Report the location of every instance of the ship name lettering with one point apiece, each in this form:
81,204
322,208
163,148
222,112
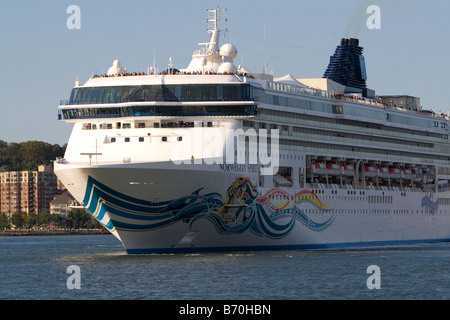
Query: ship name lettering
236,167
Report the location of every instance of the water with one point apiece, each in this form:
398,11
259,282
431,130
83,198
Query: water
36,268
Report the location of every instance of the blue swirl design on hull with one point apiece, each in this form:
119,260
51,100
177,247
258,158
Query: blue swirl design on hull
242,210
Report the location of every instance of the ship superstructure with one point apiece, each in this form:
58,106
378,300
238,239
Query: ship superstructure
214,157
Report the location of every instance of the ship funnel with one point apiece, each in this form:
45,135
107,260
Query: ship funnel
347,65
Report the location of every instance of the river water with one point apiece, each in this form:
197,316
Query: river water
96,267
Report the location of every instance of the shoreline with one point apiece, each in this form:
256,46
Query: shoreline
51,232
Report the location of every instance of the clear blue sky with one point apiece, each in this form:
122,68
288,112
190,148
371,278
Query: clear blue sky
40,56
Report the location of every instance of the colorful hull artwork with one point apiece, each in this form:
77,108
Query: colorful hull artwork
272,215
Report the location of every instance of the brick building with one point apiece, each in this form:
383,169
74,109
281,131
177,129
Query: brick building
27,191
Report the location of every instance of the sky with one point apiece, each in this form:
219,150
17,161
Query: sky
41,56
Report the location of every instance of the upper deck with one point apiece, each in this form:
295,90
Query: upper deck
212,85
238,95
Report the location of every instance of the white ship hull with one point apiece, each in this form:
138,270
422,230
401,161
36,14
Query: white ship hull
159,218
342,167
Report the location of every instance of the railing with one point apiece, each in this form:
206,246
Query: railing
278,86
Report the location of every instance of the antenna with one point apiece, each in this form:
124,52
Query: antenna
170,66
265,49
212,47
214,19
155,70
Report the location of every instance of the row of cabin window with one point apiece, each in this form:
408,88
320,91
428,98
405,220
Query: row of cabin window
140,125
93,126
142,139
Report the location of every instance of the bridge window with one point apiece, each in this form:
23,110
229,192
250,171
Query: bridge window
195,92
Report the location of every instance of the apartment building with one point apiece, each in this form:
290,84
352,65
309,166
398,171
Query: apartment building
27,191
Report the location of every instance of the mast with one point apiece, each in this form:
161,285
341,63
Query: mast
213,46
210,58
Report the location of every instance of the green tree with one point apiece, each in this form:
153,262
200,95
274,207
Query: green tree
4,221
80,218
28,155
18,219
93,223
30,220
77,218
56,219
43,218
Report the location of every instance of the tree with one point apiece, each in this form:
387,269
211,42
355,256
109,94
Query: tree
18,219
30,220
4,221
93,223
56,219
77,218
28,155
80,218
43,218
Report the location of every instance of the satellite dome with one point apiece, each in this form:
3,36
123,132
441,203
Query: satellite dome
228,50
116,68
227,67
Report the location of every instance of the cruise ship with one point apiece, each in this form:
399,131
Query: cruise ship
214,157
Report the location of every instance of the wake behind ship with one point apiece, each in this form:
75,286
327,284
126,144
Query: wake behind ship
214,157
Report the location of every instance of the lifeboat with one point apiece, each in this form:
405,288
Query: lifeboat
333,168
407,174
370,171
395,173
384,172
348,170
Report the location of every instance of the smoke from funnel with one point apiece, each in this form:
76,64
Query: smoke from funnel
357,20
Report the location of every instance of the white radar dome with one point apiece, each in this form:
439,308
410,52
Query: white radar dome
228,50
227,67
116,68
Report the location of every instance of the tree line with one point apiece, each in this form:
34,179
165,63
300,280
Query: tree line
76,218
28,155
